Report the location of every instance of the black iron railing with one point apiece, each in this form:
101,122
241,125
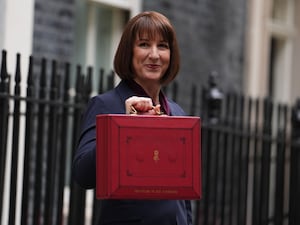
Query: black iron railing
250,150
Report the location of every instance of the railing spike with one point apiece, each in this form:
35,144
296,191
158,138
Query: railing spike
67,77
78,78
53,75
43,78
18,69
3,72
88,83
101,73
30,72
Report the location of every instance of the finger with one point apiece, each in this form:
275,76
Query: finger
149,112
143,105
129,105
136,104
155,110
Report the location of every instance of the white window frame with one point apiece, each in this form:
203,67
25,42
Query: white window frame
134,6
260,29
117,6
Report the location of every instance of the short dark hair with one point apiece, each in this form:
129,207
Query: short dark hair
151,23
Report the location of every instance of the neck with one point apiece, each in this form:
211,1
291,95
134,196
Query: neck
152,89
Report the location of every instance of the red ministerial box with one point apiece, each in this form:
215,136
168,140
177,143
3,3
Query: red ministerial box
148,157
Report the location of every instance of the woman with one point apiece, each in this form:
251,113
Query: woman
146,59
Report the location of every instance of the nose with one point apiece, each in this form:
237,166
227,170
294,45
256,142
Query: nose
154,54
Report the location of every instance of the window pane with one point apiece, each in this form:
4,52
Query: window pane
279,11
276,66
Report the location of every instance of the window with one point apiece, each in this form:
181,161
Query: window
99,27
272,49
280,10
282,30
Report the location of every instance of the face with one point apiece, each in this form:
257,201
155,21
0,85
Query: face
151,59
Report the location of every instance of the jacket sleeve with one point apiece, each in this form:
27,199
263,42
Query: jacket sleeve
175,109
84,163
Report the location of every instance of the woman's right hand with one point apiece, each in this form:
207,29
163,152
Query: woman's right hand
141,106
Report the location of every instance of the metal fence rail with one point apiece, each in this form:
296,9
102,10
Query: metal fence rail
251,161
250,147
44,133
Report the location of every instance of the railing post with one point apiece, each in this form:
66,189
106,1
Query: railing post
4,106
88,85
52,152
110,80
265,170
28,150
101,81
64,127
15,146
294,216
40,152
77,194
212,99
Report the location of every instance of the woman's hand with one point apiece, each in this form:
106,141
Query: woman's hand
141,106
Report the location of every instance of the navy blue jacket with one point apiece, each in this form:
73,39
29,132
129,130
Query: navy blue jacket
113,212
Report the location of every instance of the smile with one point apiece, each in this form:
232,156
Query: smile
153,66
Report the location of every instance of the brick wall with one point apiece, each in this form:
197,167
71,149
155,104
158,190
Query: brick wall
211,37
53,36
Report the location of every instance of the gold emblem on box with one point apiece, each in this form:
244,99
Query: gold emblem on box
156,155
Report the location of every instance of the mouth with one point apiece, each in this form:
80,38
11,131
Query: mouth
153,66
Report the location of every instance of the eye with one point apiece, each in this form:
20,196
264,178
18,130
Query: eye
143,44
164,45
